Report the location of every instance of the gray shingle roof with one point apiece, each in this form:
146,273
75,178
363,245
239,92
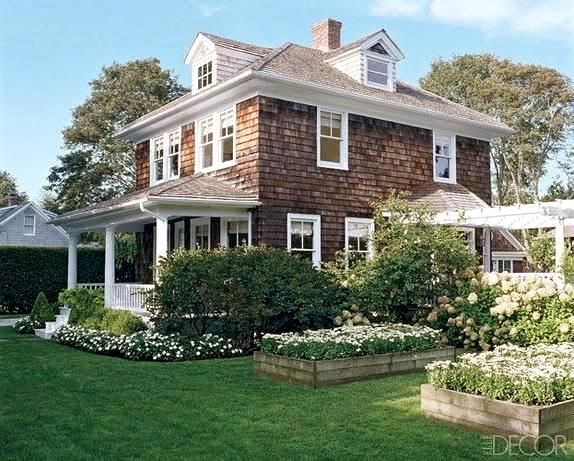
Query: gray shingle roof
240,46
446,197
8,211
198,186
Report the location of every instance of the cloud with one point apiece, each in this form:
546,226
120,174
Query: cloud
548,18
205,9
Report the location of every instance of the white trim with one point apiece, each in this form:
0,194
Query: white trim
513,240
192,234
217,163
377,57
344,146
471,243
371,223
496,260
514,255
33,216
452,158
388,44
195,72
223,238
165,161
316,222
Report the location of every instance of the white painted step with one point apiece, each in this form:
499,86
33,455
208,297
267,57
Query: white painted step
51,327
65,311
42,333
61,320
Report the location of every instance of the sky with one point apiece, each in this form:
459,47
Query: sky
51,49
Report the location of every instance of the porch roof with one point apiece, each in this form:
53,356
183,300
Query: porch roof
441,197
197,191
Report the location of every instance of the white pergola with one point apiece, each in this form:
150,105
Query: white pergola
556,214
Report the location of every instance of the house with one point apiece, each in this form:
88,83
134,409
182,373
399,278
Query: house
26,224
288,147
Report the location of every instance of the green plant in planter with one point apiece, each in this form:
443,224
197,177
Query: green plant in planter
84,303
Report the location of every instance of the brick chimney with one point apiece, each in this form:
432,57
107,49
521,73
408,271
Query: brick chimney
13,199
327,35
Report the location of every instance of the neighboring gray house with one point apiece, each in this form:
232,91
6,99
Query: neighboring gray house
26,225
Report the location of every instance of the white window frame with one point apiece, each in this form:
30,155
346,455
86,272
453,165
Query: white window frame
371,223
33,224
496,261
344,163
166,157
217,163
452,166
224,241
193,234
199,64
316,222
200,145
178,226
377,57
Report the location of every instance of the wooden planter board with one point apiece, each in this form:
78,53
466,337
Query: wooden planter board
320,373
536,424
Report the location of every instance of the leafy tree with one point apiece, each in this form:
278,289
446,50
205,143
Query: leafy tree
96,165
537,102
9,187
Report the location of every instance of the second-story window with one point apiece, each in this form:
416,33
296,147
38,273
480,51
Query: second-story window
174,147
29,225
332,142
206,143
158,155
226,141
204,75
444,153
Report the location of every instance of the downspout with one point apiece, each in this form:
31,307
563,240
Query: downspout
151,213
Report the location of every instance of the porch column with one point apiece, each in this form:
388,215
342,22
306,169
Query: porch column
559,243
486,252
110,265
73,260
161,235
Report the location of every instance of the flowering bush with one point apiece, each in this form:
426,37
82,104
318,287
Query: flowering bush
351,341
535,375
490,309
146,345
26,325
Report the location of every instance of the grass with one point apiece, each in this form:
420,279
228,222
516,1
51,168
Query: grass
60,403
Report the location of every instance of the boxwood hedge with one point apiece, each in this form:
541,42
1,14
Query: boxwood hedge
26,271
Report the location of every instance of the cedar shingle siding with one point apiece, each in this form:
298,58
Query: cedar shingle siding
276,152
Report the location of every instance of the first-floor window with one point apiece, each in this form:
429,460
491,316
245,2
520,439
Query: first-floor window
304,236
178,234
358,233
237,233
444,153
502,265
200,234
29,225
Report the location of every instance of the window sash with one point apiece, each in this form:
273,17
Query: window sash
444,157
206,142
216,140
204,75
358,233
331,137
227,136
237,233
29,225
174,152
375,72
304,236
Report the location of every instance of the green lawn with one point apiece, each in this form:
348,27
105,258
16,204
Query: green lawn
58,403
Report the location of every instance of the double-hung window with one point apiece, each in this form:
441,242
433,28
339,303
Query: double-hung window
444,153
502,265
378,72
206,143
358,233
178,235
236,233
216,140
200,234
204,75
157,159
304,236
332,139
29,225
165,156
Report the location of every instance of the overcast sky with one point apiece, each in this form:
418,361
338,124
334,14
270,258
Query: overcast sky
50,50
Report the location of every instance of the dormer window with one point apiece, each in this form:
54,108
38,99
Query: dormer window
377,71
204,75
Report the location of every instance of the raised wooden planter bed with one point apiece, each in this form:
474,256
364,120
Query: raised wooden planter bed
338,371
534,424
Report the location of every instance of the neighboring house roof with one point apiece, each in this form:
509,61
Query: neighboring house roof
309,66
9,213
196,188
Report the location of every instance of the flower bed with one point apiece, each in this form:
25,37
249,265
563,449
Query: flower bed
356,341
527,392
146,345
341,355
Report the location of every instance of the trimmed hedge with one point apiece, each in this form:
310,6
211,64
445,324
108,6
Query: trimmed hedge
26,271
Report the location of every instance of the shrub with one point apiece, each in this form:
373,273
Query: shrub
120,322
146,345
491,309
25,271
415,261
43,311
242,292
27,325
537,375
568,265
542,253
84,303
351,341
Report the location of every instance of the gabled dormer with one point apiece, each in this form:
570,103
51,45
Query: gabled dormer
212,59
371,61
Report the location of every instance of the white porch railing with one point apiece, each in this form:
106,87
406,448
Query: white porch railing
554,276
128,296
91,286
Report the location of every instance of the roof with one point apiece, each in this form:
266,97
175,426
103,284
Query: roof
196,187
441,197
234,44
8,211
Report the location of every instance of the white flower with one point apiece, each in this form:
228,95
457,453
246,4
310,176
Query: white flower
472,298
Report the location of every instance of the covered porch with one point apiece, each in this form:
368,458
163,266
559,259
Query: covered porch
193,212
